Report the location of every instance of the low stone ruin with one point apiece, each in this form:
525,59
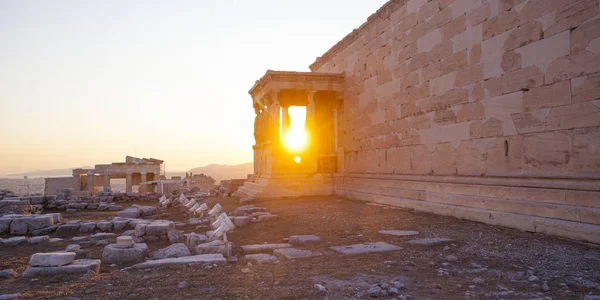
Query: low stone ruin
60,263
25,224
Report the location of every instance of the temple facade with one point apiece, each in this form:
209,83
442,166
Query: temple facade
486,110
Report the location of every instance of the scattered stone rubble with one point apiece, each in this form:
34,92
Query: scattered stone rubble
27,224
125,251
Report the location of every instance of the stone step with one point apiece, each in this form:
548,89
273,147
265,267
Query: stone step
538,209
575,230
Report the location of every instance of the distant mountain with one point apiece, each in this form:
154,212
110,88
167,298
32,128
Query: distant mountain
50,173
224,172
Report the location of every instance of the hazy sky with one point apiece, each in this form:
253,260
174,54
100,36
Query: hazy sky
87,82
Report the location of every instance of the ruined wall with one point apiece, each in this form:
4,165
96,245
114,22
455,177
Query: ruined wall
480,109
54,184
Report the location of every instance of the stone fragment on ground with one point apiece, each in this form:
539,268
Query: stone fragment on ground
260,258
9,296
175,236
303,239
196,259
51,259
8,273
399,232
103,235
116,254
263,248
131,212
175,250
105,226
293,253
81,266
73,248
430,241
241,221
216,246
366,248
15,240
38,239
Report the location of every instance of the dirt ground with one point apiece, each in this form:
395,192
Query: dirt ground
483,262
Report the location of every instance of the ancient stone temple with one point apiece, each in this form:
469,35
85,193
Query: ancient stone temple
134,170
487,110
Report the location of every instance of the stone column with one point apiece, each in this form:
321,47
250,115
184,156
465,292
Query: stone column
285,121
311,161
144,186
274,122
128,182
90,180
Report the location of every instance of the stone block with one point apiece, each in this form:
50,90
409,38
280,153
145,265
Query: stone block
14,241
132,212
430,241
469,75
572,16
443,159
586,153
51,259
140,229
5,225
470,160
263,248
420,159
504,156
44,231
531,121
585,88
158,228
241,221
87,227
103,235
543,52
196,259
304,239
523,35
503,105
19,226
547,96
499,24
119,225
469,112
522,79
260,258
581,36
104,226
366,248
399,232
38,239
293,253
548,152
175,250
576,115
82,266
492,127
175,236
123,256
443,117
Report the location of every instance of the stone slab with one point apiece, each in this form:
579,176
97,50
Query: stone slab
51,259
81,266
293,253
304,239
263,248
430,241
366,248
399,232
202,258
261,258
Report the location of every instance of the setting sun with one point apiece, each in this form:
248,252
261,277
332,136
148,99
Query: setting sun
296,138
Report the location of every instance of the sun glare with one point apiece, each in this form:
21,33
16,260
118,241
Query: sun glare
296,138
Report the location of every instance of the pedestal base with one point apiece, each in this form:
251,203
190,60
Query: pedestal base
287,186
